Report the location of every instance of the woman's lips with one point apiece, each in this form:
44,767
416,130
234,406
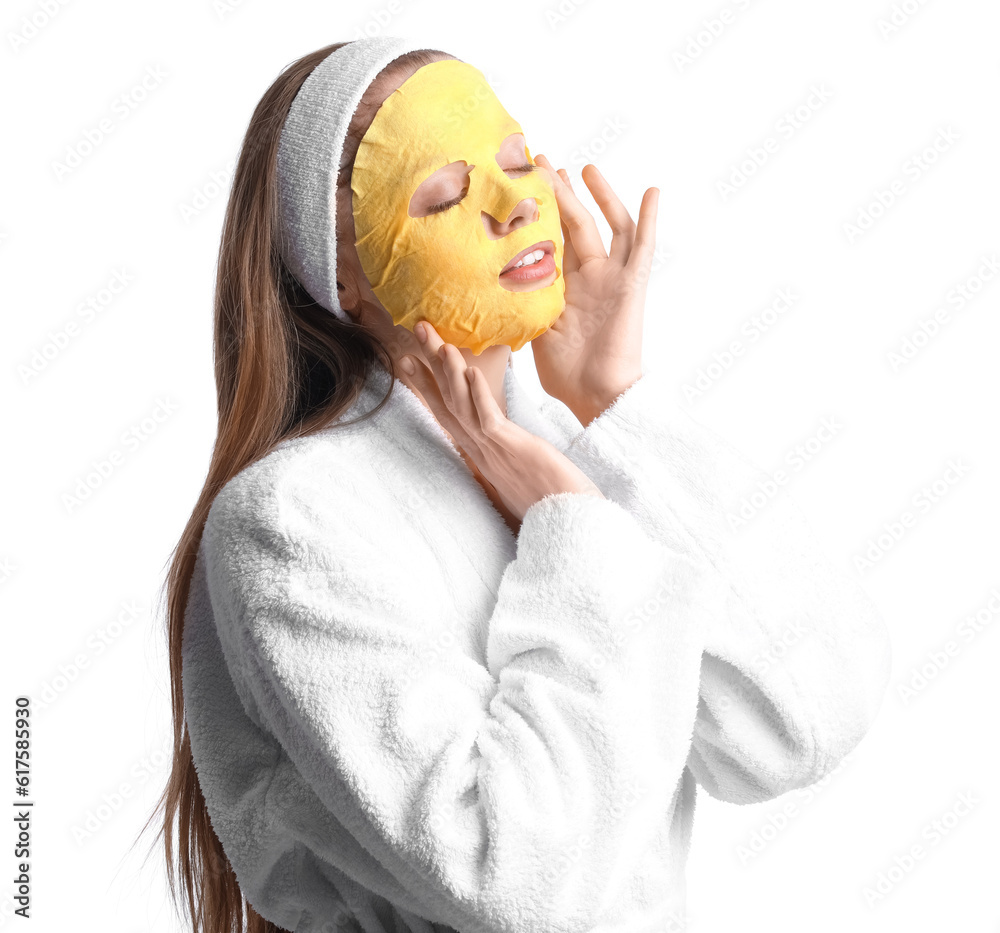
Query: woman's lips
537,270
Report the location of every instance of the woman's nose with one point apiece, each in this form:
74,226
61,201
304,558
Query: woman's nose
524,212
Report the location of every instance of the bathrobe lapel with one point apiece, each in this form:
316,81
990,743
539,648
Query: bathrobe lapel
456,535
410,432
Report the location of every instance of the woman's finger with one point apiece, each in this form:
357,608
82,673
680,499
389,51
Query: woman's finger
490,420
622,225
640,259
462,406
429,350
570,261
448,366
582,227
423,382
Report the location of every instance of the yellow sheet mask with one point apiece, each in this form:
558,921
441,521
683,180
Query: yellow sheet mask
444,266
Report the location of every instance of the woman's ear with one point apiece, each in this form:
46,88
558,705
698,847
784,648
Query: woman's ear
347,292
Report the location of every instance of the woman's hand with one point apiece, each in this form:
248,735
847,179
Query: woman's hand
519,465
593,351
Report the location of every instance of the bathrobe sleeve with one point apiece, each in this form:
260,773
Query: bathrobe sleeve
517,795
795,668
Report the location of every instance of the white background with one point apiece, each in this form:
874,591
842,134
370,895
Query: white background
599,82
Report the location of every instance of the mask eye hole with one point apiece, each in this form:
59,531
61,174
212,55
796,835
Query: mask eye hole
518,171
513,154
441,190
444,205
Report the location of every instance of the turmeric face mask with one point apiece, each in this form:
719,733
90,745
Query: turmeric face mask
444,266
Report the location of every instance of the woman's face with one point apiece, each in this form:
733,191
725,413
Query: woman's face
451,182
446,200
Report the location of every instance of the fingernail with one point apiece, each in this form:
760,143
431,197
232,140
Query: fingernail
421,332
406,364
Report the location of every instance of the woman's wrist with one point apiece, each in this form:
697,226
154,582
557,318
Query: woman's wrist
587,408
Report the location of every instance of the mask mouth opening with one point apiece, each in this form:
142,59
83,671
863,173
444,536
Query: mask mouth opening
547,246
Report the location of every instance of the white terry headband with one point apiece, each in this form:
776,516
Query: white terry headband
309,153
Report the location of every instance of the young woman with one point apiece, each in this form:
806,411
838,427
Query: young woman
442,658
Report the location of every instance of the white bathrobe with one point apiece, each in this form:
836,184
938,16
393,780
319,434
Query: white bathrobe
406,718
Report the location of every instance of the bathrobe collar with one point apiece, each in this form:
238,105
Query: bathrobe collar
404,413
405,430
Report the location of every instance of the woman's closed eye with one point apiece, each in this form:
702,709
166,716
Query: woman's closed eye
444,205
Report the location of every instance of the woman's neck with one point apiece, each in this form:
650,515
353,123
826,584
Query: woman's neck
492,363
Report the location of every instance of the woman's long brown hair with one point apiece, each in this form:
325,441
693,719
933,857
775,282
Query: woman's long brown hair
284,367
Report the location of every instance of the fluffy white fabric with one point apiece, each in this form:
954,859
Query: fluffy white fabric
405,718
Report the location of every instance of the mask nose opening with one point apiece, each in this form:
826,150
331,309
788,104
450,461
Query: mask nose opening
501,194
